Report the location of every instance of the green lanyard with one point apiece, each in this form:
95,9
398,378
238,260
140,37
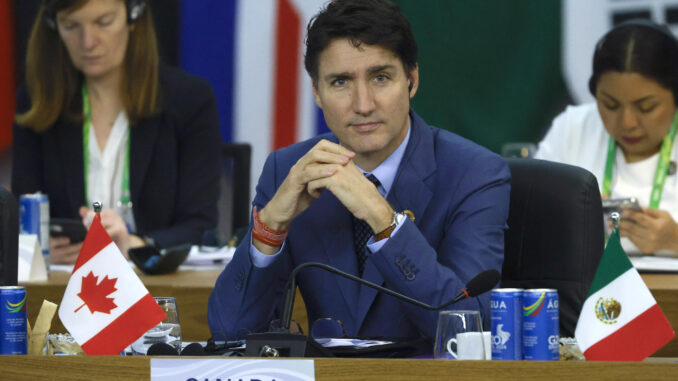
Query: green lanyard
125,193
659,174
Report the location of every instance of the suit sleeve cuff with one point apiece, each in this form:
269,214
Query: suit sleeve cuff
375,246
262,260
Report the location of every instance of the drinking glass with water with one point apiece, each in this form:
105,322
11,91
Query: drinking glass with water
168,331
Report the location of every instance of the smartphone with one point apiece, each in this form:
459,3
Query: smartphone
153,261
68,227
619,204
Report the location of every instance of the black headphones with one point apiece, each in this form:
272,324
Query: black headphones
135,9
644,23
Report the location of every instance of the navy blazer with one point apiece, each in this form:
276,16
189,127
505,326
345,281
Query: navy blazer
174,163
459,194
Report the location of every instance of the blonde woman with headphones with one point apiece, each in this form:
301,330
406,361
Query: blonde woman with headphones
100,119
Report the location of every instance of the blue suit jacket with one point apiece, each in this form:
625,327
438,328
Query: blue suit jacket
459,194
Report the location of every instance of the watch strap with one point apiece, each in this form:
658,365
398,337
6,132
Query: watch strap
386,233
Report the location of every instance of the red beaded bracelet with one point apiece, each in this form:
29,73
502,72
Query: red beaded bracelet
265,234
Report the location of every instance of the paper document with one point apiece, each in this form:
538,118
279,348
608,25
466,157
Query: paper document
655,264
31,266
355,343
201,255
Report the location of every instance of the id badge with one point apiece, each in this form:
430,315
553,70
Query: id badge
125,211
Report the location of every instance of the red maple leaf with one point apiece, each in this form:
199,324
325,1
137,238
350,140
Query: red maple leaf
95,295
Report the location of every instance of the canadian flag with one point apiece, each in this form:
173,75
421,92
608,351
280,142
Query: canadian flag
106,307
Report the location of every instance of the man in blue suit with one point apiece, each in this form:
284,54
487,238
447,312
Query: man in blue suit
315,199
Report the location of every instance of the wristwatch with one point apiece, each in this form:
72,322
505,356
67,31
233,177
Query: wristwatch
398,217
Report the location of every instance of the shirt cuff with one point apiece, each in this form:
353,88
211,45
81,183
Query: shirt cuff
260,259
375,246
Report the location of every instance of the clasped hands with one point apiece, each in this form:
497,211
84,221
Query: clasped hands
327,166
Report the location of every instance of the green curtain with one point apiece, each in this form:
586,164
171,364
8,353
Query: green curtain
489,70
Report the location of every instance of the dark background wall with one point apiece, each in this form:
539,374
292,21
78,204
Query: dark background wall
490,70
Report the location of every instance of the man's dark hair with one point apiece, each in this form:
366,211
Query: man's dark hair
370,22
638,46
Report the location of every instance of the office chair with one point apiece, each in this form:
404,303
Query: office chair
555,237
9,238
234,197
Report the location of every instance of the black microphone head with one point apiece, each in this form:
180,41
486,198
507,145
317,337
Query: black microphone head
162,349
482,282
194,349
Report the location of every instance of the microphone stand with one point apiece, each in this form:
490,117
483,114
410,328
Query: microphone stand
291,287
285,343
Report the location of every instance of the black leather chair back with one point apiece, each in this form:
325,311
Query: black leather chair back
9,238
555,237
234,198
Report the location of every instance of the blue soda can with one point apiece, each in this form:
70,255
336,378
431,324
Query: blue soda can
34,215
506,306
540,324
13,334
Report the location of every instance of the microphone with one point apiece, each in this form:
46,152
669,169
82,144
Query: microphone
161,349
479,284
193,349
164,349
297,345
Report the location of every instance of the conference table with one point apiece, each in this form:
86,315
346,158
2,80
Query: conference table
138,368
191,286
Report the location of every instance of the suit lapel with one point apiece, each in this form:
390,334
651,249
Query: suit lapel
69,138
142,144
367,294
410,191
330,221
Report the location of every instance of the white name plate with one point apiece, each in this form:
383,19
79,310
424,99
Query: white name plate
231,370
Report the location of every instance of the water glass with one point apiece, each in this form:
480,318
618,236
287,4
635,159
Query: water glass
327,328
460,336
168,331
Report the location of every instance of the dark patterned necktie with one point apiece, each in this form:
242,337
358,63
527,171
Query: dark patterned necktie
361,234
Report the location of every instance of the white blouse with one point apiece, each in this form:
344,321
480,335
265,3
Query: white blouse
578,137
106,168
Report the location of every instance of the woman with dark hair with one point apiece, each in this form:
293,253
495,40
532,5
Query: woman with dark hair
626,138
102,120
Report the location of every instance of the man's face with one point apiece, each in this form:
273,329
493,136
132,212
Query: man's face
364,95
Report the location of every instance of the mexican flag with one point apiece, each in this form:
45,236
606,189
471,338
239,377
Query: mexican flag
106,307
620,320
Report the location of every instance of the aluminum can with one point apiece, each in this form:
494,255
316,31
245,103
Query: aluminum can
506,306
540,324
13,334
34,215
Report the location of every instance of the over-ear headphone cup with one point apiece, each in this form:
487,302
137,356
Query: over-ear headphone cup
135,8
162,349
194,349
